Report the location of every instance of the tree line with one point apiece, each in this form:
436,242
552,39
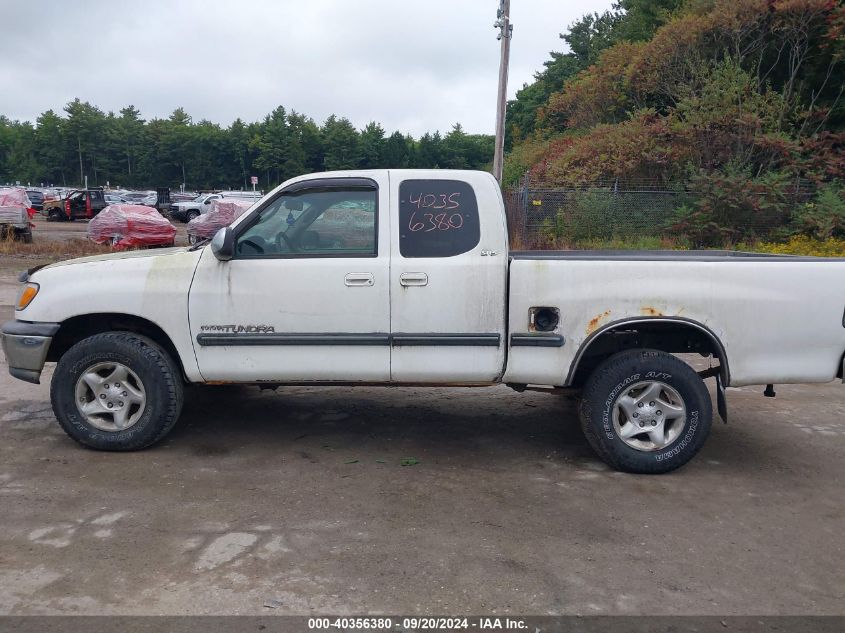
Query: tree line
125,150
741,102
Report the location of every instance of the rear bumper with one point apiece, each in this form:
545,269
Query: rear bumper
25,346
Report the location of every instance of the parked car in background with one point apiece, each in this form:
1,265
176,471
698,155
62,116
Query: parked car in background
15,213
131,225
221,213
115,199
163,201
80,204
187,211
147,198
36,199
182,196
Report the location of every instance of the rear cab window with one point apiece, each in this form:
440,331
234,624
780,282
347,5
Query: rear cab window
437,218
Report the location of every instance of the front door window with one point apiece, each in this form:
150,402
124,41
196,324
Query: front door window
327,223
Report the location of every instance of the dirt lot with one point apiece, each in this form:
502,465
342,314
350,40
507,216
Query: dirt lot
61,231
300,496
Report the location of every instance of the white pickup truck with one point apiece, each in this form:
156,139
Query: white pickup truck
187,211
404,278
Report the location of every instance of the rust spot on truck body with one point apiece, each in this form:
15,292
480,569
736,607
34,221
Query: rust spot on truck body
649,311
596,321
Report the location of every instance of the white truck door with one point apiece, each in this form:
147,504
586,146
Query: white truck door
448,277
306,295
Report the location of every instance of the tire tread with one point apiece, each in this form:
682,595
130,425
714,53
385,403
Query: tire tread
596,389
151,351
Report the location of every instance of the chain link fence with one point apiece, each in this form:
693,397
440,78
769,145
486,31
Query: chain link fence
636,214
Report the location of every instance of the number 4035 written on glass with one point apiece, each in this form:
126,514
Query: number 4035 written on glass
435,221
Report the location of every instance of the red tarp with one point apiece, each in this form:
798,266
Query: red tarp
222,213
13,200
130,225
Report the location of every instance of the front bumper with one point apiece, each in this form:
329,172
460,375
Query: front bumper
25,345
178,213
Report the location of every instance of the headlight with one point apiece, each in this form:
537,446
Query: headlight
26,296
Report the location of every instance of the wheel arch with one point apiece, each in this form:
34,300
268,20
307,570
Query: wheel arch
668,334
81,326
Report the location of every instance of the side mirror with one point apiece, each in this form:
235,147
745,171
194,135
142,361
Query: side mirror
207,202
223,244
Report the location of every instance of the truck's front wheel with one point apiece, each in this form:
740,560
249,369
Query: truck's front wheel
645,411
116,391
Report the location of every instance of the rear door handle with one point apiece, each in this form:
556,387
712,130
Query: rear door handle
359,279
413,279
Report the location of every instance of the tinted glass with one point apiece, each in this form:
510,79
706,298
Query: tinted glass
437,218
333,222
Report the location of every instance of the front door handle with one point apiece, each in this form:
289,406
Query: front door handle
413,279
359,279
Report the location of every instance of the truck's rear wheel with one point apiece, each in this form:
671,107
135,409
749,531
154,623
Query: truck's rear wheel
645,411
116,391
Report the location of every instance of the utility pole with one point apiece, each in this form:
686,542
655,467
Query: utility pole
79,148
503,23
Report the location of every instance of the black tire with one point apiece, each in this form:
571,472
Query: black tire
25,236
55,215
151,364
624,371
191,215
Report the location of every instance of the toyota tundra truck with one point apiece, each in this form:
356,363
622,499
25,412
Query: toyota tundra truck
404,277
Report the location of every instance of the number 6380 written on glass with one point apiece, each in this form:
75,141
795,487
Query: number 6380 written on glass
435,222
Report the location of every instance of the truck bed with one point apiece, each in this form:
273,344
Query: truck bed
779,317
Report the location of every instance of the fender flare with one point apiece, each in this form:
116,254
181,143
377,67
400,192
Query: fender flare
594,336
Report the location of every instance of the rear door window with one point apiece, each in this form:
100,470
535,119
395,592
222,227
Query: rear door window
437,218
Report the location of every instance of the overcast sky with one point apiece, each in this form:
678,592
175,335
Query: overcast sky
414,66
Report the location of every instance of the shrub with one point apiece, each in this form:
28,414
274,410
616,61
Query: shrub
732,206
606,214
800,245
824,216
